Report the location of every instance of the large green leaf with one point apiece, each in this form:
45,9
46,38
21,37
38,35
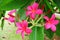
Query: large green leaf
10,6
37,33
15,4
49,33
4,2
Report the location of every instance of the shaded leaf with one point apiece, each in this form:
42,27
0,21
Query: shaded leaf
57,2
21,14
49,33
15,4
58,29
48,4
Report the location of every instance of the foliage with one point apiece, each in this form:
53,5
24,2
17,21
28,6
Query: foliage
37,24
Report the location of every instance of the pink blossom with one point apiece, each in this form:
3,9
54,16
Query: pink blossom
23,28
33,10
11,12
11,17
51,23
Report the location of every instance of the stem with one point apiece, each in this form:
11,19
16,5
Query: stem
31,27
30,22
39,18
27,18
36,18
39,25
33,24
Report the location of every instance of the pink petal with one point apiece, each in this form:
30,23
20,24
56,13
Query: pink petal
32,16
22,33
47,26
46,18
11,19
35,5
19,25
18,31
11,15
28,31
25,23
56,22
53,28
5,18
29,8
53,17
11,12
39,11
28,13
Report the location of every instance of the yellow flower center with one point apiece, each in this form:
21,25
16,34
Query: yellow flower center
33,10
49,22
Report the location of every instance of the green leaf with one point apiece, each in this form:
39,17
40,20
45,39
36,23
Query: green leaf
37,33
58,29
47,3
49,33
21,14
10,6
16,4
4,2
57,2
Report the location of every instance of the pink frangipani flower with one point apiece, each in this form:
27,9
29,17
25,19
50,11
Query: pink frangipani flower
51,23
23,28
11,17
33,10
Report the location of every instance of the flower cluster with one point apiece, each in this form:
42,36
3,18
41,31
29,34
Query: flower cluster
32,11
